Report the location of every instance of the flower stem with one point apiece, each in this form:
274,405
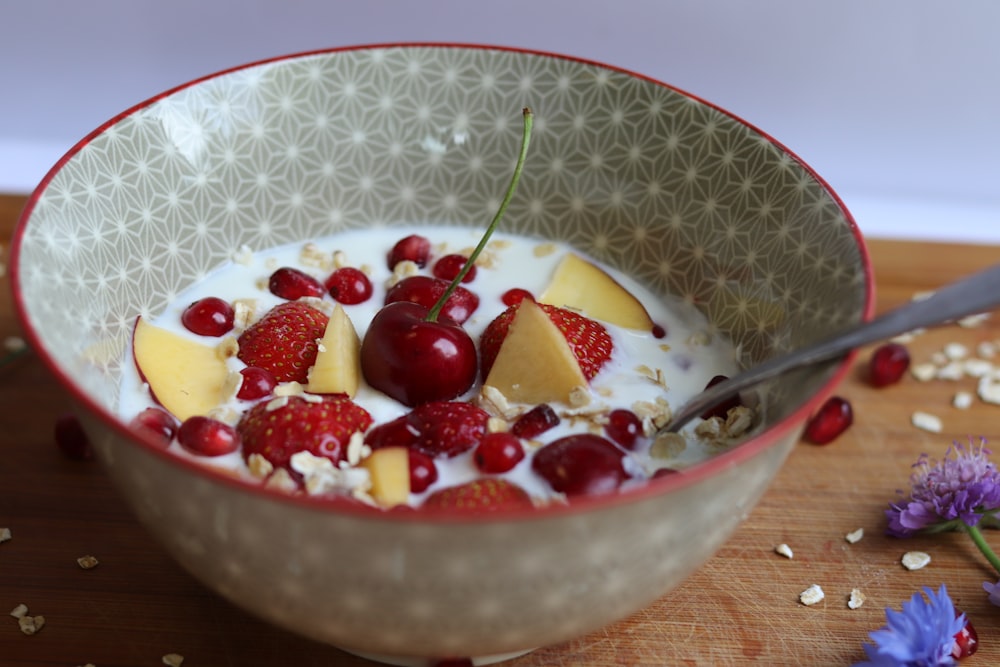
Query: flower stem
525,138
977,537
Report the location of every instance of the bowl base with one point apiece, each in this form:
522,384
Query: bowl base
406,661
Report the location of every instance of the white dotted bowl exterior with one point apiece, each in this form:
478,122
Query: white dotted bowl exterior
686,198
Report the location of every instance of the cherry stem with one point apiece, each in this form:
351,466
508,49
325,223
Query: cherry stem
435,310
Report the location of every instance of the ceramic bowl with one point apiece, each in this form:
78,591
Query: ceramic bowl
683,196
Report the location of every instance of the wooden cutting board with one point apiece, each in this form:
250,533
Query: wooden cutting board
740,608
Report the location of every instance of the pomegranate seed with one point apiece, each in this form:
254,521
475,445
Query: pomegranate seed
159,423
887,364
535,421
210,316
71,439
449,266
423,471
349,286
723,408
582,464
966,641
515,296
207,437
498,452
659,331
414,248
832,419
624,427
290,283
257,383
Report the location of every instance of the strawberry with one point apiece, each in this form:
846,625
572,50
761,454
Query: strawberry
588,338
484,495
440,428
284,341
322,428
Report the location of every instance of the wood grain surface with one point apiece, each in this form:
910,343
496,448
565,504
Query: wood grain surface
740,608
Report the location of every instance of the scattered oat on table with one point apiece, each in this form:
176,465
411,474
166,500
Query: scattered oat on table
173,660
856,599
20,611
783,550
925,421
811,595
31,624
87,562
5,535
855,535
962,400
914,560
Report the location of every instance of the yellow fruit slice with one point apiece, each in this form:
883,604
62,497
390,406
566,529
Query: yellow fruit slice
389,471
581,285
337,369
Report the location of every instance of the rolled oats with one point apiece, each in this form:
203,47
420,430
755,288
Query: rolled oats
926,422
914,560
812,595
173,660
856,599
783,550
5,535
855,536
87,562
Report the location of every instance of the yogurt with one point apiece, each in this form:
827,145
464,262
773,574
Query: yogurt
647,373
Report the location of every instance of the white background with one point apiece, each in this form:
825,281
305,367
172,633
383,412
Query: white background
896,103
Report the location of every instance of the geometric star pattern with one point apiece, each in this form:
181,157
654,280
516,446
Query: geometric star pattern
683,196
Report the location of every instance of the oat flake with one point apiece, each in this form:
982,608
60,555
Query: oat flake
855,535
811,595
926,422
783,550
962,400
5,535
87,562
914,560
173,660
31,624
856,599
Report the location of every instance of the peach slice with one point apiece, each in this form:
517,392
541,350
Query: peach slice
184,376
535,364
337,369
581,285
389,470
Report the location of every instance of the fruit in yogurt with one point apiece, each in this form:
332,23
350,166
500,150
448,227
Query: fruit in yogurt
389,474
581,285
337,369
283,341
439,429
487,494
581,465
184,376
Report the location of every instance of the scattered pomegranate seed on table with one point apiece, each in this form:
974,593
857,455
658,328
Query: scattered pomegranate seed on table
887,364
966,641
832,419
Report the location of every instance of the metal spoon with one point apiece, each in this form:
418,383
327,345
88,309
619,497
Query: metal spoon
977,293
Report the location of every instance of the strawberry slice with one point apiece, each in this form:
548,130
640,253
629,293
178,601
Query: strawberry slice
284,341
439,428
322,428
588,338
481,495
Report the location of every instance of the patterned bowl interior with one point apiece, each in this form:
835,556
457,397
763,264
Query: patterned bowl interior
686,198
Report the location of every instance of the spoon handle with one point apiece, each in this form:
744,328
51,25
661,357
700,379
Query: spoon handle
977,293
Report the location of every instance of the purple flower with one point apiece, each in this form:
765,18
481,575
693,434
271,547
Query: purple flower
962,487
994,592
921,635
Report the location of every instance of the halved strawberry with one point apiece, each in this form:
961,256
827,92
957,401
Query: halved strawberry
322,428
589,340
284,341
440,428
483,495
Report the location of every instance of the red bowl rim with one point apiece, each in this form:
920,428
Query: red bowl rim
653,488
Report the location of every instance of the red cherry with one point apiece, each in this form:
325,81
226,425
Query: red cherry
423,471
887,364
414,248
535,421
414,360
349,286
449,266
832,419
498,452
722,408
71,439
210,316
582,464
257,383
966,641
624,427
516,295
290,283
207,437
159,423
426,291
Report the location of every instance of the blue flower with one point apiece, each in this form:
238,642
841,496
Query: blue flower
994,592
921,635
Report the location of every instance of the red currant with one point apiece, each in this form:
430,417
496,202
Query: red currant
515,295
832,419
624,427
159,423
257,383
207,437
722,409
414,248
966,642
449,266
210,316
290,283
71,439
423,471
887,364
535,421
349,286
498,452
